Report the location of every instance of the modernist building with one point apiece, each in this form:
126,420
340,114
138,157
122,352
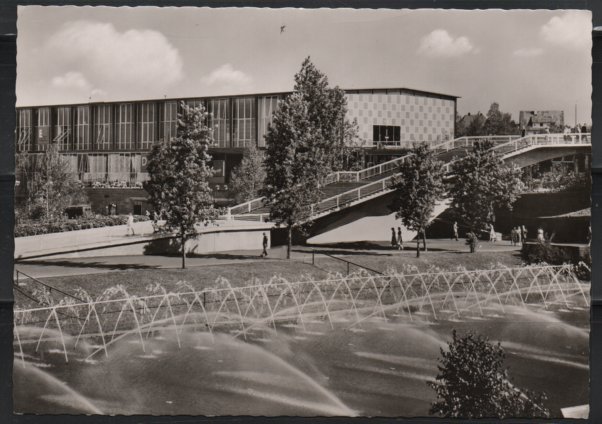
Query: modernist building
106,144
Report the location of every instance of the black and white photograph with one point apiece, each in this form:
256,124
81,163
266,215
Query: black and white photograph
302,212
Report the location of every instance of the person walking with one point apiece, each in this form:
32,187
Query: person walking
455,230
513,236
540,237
492,235
393,238
399,239
130,224
264,253
519,239
523,231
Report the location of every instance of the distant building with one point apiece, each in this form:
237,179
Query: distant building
107,144
541,121
464,123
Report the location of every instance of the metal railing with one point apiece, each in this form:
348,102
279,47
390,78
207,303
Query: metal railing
511,145
348,264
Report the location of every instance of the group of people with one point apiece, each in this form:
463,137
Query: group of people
396,239
518,235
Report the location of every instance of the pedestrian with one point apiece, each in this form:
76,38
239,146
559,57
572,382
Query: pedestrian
114,208
393,238
264,253
513,236
492,235
519,239
589,235
471,240
455,230
130,225
540,237
399,239
147,213
523,231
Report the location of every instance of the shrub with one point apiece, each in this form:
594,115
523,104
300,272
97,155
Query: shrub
535,253
31,228
472,383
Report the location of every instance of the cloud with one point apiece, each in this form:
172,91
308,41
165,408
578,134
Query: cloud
532,52
571,30
226,77
440,43
99,57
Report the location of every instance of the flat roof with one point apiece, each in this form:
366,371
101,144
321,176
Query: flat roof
383,90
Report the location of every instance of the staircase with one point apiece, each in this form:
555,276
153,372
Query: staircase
348,188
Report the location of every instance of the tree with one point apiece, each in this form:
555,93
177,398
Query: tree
326,110
472,383
248,178
179,172
47,185
418,186
292,184
498,122
482,182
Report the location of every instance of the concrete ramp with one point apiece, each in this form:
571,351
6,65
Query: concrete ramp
370,228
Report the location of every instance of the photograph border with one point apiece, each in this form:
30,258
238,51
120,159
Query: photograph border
8,50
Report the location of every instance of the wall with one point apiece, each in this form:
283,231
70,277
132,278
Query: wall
421,118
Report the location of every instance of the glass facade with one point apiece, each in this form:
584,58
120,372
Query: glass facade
62,128
82,128
43,128
169,120
103,127
24,130
125,127
147,125
219,120
267,107
244,116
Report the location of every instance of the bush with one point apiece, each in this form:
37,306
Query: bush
472,383
544,252
33,228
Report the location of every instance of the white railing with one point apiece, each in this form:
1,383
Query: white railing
503,144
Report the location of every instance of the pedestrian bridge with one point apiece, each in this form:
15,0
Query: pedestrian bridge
349,188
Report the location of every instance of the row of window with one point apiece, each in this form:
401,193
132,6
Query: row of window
127,126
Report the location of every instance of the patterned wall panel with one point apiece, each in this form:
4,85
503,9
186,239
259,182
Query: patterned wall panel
420,118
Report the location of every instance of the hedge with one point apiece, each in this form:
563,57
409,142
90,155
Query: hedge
34,228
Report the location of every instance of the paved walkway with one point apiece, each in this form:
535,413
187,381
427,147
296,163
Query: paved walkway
49,267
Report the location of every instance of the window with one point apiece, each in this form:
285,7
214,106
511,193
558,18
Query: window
244,115
169,120
219,121
125,127
386,134
62,135
267,107
103,127
43,128
24,130
147,125
82,127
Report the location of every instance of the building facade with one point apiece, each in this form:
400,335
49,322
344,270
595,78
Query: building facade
541,121
107,144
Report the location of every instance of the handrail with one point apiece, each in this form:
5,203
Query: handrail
314,252
48,286
514,141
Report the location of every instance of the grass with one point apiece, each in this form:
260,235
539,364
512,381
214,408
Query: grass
136,281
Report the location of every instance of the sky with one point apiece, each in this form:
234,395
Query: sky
523,60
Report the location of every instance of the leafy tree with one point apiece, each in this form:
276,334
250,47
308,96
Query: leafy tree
179,172
326,111
292,183
472,383
47,185
498,122
248,178
418,186
481,183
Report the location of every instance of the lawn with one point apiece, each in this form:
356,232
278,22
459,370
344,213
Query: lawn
137,281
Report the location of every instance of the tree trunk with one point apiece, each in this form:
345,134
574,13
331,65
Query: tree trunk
424,240
289,242
418,245
183,251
